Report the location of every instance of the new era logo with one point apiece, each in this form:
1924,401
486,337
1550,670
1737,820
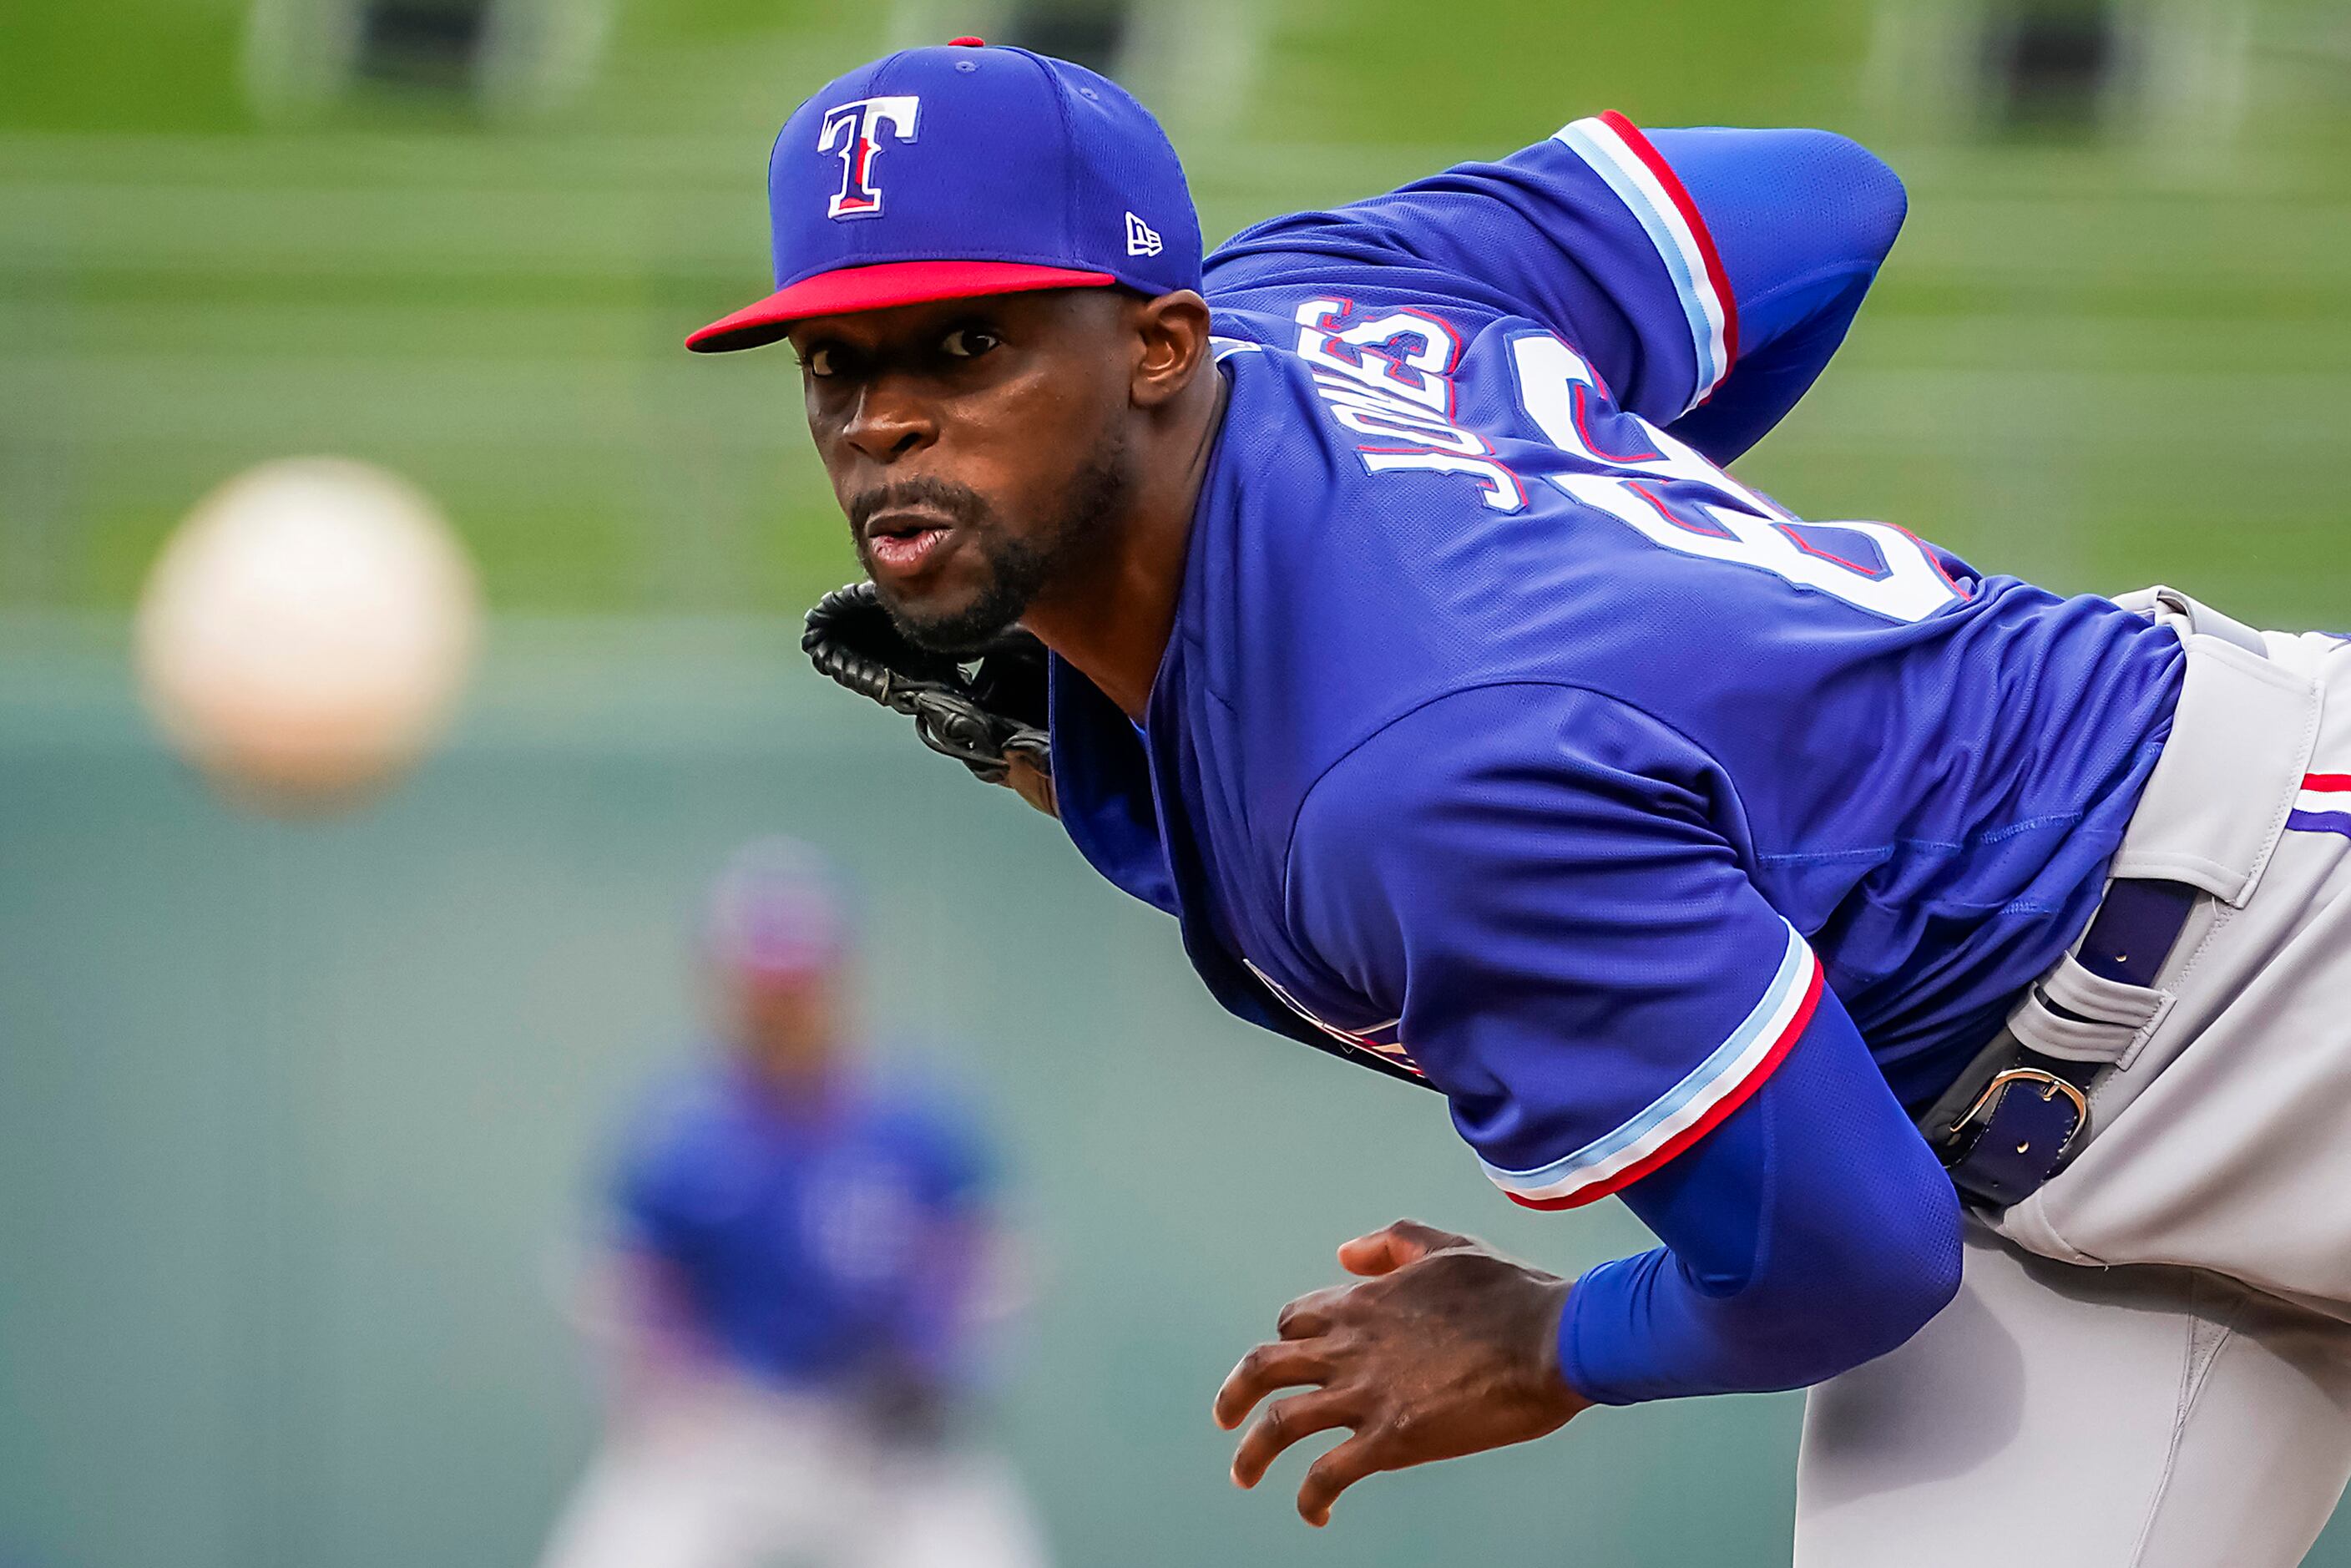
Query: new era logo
1141,239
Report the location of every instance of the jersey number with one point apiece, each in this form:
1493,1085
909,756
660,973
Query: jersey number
1873,567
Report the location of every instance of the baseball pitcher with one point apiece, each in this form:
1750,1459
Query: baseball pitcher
1955,978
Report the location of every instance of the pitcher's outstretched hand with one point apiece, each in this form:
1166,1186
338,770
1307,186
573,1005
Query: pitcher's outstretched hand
1444,1347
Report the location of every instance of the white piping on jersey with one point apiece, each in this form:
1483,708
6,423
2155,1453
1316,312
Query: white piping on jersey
1361,1041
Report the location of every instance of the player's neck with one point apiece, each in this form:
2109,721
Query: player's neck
1112,623
796,1088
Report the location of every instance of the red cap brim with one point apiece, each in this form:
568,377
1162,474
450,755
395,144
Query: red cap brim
878,287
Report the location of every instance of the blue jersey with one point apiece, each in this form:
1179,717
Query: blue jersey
1506,740
811,1245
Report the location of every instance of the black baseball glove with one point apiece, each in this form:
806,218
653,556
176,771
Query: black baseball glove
985,710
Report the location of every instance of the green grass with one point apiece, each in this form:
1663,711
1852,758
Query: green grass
2095,368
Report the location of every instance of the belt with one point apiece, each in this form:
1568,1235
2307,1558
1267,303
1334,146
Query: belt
2012,1120
2204,827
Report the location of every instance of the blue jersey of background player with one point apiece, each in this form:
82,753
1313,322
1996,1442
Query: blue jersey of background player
1423,662
800,1218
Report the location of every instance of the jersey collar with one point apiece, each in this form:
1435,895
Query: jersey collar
1102,783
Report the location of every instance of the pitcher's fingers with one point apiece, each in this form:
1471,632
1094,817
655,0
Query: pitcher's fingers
1390,1248
1284,1422
1334,1473
1284,1363
1308,1315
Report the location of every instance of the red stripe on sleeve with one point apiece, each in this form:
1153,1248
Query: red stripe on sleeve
1657,163
1714,1117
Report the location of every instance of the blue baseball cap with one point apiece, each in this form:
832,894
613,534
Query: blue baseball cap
961,171
779,910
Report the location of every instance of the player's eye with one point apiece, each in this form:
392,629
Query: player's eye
820,360
967,342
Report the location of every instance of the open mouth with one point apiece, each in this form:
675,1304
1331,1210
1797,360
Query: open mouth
902,542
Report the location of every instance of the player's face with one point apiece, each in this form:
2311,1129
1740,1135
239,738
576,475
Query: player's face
788,1026
977,447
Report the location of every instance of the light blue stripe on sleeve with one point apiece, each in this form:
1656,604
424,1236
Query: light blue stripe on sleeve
1721,1069
1606,162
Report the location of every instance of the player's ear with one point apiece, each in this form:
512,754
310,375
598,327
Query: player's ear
1172,339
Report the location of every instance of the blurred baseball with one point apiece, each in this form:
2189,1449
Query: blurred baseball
307,631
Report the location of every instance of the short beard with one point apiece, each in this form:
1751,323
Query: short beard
1018,570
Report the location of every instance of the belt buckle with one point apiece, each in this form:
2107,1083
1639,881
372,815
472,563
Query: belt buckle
1980,1114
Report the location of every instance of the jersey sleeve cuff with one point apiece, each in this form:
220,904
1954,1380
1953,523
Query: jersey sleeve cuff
1647,186
1691,1108
1603,1280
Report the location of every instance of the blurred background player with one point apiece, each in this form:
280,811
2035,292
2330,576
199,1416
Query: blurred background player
799,1257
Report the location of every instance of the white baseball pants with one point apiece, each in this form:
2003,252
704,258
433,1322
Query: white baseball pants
737,1477
2149,1364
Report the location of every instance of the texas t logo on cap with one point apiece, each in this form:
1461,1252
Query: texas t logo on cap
853,129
